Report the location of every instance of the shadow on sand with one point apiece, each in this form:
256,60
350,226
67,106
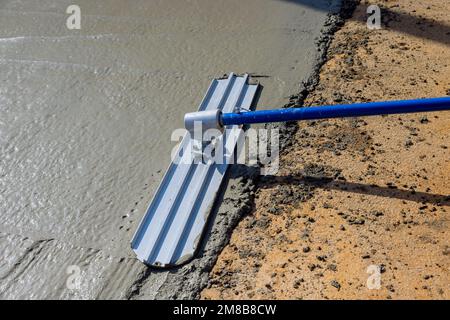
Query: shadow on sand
399,21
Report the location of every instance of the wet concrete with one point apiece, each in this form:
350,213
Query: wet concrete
85,123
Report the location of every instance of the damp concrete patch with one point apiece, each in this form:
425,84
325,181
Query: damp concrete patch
85,123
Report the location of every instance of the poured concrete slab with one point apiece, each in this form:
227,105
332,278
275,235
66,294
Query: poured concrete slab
86,117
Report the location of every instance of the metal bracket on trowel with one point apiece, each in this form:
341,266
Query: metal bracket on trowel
171,229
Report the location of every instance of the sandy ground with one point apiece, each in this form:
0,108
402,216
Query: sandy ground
85,123
357,196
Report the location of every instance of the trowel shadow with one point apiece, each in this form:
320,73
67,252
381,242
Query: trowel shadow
354,187
205,252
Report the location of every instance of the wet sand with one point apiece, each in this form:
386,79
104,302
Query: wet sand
86,117
360,193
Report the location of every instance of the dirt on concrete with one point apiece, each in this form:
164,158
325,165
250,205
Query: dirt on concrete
357,200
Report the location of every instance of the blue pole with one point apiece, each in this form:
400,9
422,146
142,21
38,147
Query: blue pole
337,111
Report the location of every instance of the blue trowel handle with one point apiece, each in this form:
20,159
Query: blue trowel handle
337,111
